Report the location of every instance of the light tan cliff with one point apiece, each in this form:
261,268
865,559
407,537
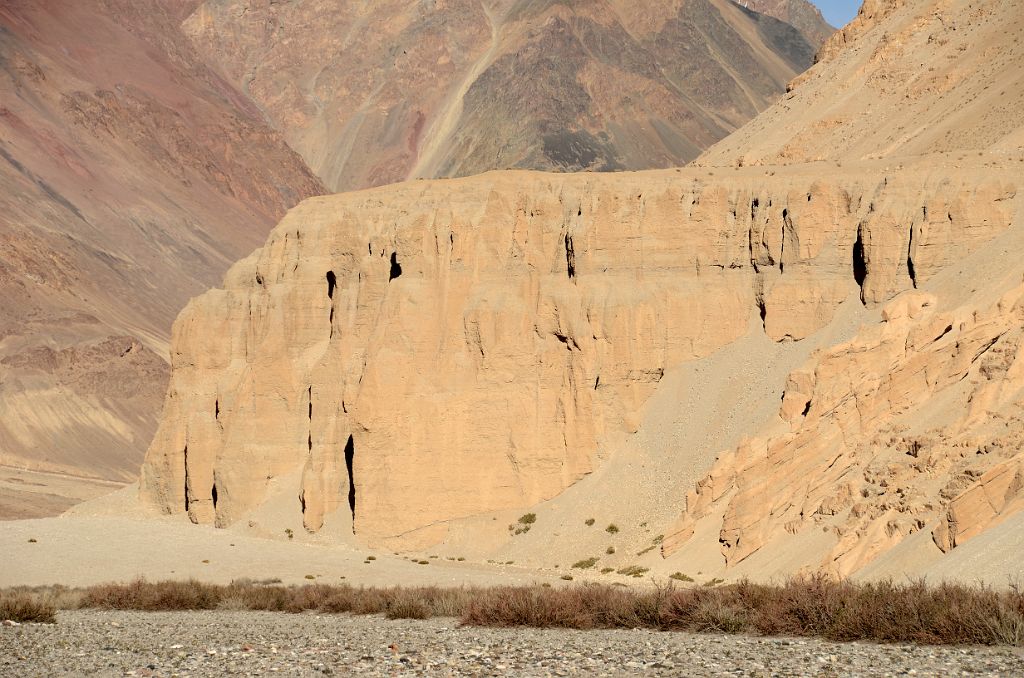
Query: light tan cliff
436,350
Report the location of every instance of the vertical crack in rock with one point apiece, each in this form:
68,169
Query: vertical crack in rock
910,258
570,257
213,495
302,501
216,410
332,282
309,439
788,236
185,454
396,268
860,269
350,453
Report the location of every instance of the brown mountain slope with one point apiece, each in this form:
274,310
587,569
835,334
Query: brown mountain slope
802,15
372,93
131,176
907,77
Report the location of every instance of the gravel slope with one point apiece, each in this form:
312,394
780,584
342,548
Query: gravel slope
99,643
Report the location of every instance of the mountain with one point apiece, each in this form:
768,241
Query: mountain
374,93
803,16
898,81
132,176
764,369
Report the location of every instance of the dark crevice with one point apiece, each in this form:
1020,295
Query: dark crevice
860,269
369,248
213,495
332,282
396,268
762,309
309,396
807,408
597,382
910,258
787,227
949,328
216,410
754,204
302,501
350,453
186,477
570,256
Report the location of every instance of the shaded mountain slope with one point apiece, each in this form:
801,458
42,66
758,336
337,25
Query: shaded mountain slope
132,175
373,94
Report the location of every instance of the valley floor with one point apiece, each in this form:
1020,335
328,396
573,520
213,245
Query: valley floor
114,643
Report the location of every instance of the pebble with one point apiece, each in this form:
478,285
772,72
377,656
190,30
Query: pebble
223,643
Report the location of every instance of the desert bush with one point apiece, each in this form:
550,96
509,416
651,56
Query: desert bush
810,606
23,606
586,563
612,529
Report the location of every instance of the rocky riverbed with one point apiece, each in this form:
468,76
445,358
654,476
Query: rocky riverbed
113,643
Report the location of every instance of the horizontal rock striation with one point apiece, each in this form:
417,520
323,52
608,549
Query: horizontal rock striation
435,350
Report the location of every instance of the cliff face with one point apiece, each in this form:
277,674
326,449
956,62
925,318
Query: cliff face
435,350
374,93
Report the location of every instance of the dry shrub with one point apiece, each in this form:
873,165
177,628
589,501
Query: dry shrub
24,606
154,596
812,606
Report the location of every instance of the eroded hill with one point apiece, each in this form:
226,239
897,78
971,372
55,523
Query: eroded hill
371,94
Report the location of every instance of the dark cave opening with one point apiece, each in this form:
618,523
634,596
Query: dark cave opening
350,453
332,282
396,268
860,269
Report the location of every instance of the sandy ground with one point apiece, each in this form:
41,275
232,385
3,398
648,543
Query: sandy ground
34,494
83,550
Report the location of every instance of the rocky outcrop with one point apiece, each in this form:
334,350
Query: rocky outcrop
435,350
375,93
885,433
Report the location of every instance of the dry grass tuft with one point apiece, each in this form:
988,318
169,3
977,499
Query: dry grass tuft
814,606
24,606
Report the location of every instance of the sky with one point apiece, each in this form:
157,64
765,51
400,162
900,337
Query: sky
838,12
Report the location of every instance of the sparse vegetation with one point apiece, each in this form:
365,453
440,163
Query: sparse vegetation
371,557
33,540
714,582
612,529
610,550
528,519
633,570
679,576
606,570
586,563
310,576
646,550
288,531
589,522
817,606
22,606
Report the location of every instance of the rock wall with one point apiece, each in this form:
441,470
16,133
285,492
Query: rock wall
913,424
434,350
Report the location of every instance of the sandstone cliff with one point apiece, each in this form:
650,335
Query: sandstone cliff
436,350
374,93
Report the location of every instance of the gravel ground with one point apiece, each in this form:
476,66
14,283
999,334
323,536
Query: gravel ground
100,643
